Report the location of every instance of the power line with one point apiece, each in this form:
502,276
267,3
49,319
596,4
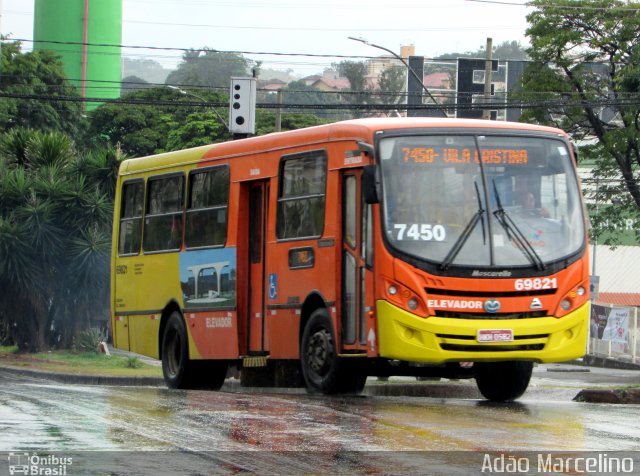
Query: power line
187,50
562,97
213,50
225,88
515,104
555,5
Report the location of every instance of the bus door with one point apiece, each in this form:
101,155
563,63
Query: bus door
357,330
258,205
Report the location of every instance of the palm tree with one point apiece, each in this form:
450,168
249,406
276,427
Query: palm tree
55,224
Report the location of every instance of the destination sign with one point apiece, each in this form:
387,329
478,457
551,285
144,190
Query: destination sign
464,155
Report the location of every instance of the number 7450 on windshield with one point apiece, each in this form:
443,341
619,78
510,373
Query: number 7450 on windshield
424,232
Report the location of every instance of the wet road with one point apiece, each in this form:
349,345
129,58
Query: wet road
230,428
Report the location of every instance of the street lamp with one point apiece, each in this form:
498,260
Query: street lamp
401,59
188,93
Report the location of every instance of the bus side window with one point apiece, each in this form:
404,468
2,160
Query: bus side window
163,220
131,204
349,217
206,219
367,234
301,196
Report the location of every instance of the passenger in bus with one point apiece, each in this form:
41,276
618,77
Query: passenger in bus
528,203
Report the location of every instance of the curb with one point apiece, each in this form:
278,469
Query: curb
627,396
606,362
86,379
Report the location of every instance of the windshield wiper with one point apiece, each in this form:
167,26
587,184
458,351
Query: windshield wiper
466,233
514,233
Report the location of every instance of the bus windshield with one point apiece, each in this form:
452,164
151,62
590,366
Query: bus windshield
480,201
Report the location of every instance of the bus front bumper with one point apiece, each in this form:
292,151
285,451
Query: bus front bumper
405,336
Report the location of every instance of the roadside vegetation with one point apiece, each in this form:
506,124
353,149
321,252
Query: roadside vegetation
78,363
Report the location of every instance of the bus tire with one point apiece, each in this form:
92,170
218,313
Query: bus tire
178,370
503,381
181,372
322,369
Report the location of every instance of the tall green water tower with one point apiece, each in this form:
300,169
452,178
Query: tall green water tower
77,30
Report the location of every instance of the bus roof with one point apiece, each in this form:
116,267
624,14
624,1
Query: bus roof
356,129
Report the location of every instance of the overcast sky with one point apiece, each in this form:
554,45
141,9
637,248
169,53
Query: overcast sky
302,27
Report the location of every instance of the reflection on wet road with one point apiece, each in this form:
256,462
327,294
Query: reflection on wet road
36,415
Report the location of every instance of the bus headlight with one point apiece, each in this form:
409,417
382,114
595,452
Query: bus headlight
404,298
573,299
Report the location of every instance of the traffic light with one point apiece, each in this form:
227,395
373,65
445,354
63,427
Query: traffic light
242,106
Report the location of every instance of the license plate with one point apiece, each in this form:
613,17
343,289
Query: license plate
495,335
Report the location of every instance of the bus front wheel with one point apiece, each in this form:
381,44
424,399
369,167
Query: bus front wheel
322,369
503,381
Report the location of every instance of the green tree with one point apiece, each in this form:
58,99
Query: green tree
140,126
392,83
356,73
149,70
134,83
585,65
265,121
55,224
209,68
298,93
507,50
32,88
199,128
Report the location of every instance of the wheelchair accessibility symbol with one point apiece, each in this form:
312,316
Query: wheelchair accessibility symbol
273,286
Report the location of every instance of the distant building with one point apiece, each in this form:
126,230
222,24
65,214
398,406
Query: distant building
272,85
329,81
438,80
376,66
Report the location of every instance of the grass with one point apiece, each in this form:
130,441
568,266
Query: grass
81,363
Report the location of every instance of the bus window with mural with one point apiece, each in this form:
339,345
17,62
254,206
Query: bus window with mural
374,247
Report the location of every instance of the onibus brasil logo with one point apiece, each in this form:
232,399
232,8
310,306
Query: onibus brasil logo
34,464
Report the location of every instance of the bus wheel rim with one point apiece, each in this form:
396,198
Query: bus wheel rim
174,355
319,352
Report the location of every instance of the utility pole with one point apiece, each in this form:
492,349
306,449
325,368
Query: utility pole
278,111
486,114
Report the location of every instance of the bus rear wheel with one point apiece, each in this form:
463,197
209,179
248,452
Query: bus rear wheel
322,369
503,381
181,372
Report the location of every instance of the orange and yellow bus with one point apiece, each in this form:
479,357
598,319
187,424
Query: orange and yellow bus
373,247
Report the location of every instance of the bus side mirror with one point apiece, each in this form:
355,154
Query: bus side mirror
574,149
370,184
